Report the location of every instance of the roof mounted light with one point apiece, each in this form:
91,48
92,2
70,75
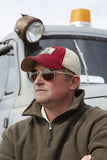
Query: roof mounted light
80,17
29,29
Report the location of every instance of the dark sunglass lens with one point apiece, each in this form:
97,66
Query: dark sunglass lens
33,76
48,74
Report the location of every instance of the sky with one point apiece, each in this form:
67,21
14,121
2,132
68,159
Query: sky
50,12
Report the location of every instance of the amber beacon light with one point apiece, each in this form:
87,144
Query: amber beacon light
80,17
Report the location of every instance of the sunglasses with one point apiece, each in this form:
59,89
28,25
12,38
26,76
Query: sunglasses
47,74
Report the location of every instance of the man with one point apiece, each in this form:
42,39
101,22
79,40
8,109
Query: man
61,126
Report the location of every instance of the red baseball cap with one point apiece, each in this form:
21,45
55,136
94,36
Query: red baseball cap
54,57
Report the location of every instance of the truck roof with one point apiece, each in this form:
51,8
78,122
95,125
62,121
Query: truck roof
75,30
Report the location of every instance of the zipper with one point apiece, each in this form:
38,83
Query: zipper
50,135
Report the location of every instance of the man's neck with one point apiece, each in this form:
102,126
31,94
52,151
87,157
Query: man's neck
54,110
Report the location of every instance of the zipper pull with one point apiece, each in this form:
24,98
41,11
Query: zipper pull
50,136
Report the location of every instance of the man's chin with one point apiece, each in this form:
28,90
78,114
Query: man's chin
41,102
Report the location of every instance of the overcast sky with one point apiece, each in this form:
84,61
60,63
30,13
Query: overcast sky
50,12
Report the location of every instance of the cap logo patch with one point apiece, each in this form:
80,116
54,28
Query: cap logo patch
48,50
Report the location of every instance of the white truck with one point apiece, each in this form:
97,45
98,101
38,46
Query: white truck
30,37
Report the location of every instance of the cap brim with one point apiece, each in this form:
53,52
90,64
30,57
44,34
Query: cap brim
28,64
48,61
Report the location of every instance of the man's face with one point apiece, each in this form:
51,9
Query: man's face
55,91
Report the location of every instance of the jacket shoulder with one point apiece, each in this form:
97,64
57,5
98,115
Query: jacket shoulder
18,127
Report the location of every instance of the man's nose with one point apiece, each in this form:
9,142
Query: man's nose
39,79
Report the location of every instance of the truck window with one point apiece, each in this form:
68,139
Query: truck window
94,52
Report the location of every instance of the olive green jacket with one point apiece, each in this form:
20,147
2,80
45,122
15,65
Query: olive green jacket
79,131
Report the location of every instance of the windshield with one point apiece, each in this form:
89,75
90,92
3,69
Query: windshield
93,52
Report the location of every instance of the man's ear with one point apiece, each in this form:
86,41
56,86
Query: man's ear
75,82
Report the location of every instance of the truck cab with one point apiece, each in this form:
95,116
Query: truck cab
90,44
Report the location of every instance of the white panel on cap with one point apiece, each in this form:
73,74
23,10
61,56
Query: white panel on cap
48,50
71,62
